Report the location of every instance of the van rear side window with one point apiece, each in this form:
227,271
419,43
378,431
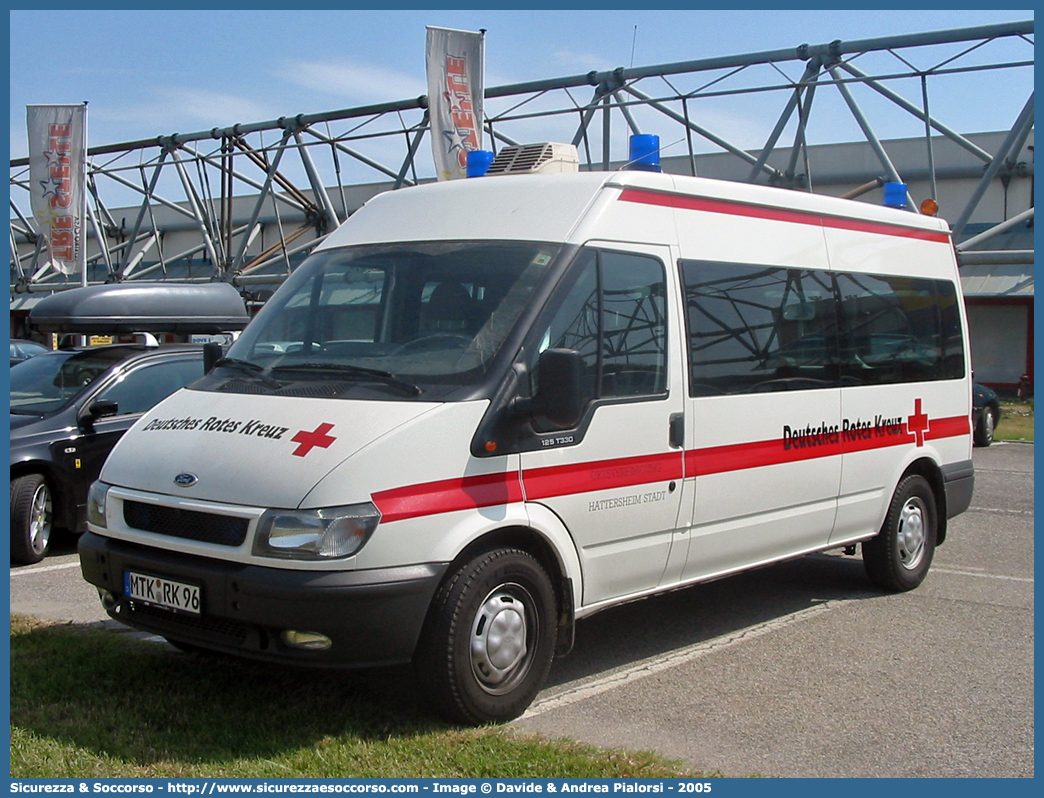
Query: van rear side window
899,329
759,328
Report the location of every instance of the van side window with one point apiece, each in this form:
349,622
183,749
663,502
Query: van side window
634,325
758,328
762,328
575,325
614,315
899,329
952,365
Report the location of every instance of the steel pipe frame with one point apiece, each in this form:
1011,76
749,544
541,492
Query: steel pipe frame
812,71
999,257
905,104
1003,227
608,86
1017,137
202,220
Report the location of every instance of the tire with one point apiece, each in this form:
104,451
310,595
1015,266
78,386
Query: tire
984,429
489,638
32,515
899,557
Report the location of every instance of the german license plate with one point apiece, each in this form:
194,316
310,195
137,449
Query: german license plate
161,592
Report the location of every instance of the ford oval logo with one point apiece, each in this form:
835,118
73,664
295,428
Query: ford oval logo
185,480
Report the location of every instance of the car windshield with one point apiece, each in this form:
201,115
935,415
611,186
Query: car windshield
394,316
26,349
48,382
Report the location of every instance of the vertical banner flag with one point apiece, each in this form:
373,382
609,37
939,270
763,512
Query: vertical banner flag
454,65
57,179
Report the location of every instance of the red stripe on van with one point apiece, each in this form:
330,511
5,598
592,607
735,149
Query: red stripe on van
778,214
448,495
489,490
948,427
469,493
757,454
566,480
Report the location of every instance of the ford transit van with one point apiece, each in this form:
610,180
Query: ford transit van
484,409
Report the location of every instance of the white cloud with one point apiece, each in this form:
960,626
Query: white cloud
354,83
575,62
177,109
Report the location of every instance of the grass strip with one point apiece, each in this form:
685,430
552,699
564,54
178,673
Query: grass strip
1016,422
90,703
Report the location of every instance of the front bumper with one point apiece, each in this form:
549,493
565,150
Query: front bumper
372,617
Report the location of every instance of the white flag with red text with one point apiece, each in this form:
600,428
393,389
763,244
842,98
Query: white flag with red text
57,180
454,66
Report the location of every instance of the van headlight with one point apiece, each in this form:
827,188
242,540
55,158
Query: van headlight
324,534
96,497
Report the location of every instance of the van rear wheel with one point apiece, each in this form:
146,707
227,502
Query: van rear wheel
489,639
899,556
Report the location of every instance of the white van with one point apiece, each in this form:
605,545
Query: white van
484,409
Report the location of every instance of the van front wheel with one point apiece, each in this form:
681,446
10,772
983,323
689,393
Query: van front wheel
489,638
899,556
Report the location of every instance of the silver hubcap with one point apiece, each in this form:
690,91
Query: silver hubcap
40,520
987,423
499,640
912,523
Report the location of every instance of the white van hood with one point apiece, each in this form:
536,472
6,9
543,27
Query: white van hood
260,451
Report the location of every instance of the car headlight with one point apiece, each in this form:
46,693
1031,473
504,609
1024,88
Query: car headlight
324,534
96,497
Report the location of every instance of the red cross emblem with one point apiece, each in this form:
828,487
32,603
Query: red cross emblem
917,423
309,440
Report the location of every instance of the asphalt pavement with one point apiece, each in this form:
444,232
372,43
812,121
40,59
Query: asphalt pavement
801,669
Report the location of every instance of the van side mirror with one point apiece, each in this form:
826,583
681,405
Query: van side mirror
558,396
212,352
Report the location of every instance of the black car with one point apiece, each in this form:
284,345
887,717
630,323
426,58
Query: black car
22,349
987,412
68,409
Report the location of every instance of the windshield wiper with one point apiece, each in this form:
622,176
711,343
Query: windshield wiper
245,365
375,375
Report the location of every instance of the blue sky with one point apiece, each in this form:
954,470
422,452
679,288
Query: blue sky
147,73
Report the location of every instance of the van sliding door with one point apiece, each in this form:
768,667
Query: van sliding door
765,410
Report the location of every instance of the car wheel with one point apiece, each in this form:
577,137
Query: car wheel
899,556
31,518
984,429
489,639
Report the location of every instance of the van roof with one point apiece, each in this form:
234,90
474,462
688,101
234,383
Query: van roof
550,207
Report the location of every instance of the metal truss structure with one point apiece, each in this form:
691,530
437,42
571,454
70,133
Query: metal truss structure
259,196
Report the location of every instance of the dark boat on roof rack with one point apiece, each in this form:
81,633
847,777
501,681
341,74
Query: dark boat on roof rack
142,307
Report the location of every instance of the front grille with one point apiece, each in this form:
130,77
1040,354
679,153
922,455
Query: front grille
224,530
223,627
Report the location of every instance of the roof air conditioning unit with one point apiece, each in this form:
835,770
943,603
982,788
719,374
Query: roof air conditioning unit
535,159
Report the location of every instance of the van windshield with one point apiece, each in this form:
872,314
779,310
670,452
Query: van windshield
401,315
